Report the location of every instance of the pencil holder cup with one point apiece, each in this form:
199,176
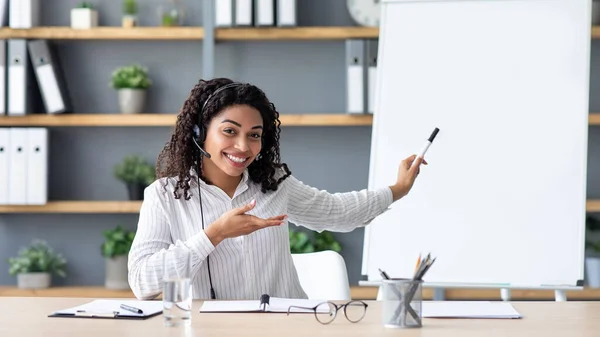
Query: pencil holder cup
401,303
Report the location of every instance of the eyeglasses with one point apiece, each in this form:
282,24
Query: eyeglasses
326,312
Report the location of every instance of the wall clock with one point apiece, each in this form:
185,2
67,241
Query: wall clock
365,12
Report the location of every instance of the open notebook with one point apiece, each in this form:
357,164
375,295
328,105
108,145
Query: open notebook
264,304
112,309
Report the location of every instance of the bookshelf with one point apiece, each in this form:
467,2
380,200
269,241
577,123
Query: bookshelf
197,33
356,292
297,33
131,207
142,120
98,120
76,206
193,34
104,33
190,33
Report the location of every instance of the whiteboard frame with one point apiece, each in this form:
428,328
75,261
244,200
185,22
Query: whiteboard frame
375,129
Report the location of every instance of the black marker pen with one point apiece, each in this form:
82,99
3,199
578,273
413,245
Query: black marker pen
427,144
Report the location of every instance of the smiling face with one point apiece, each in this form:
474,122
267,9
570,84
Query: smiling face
233,140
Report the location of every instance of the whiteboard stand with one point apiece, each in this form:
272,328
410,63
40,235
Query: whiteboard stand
560,295
507,81
560,292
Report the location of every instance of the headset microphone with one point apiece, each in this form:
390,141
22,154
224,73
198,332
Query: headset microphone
204,153
198,137
195,139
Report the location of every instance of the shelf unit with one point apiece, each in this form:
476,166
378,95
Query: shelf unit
198,33
210,36
167,120
104,33
76,206
142,120
189,33
356,293
132,207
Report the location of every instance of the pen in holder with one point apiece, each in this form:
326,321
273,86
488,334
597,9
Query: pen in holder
402,300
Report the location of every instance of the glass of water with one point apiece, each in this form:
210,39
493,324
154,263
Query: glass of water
177,288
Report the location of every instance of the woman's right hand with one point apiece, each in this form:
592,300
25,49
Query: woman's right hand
235,223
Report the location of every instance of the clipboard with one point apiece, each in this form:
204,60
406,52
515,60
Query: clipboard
111,309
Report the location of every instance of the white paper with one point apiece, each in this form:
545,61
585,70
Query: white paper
104,306
230,306
468,309
275,305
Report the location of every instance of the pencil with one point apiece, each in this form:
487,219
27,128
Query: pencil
418,262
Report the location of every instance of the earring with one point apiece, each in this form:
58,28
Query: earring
258,157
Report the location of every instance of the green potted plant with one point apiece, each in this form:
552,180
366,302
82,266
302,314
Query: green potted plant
309,242
171,14
129,13
137,174
131,83
115,250
35,264
84,16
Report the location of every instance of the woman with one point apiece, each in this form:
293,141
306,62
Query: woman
233,217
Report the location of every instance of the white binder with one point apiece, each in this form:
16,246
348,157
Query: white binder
49,75
356,99
3,13
3,77
17,77
23,92
223,13
37,166
265,12
4,162
244,10
372,45
24,13
17,181
286,13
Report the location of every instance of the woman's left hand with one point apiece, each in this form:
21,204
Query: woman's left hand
407,173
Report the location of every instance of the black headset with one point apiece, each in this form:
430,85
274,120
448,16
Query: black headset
198,138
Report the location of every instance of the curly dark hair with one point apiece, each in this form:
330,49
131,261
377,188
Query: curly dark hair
180,154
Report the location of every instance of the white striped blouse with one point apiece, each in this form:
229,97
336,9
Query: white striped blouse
248,266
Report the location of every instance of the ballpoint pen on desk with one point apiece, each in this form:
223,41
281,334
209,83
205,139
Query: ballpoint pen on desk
132,309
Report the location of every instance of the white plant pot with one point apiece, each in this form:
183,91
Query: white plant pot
129,21
116,273
34,280
592,266
132,101
84,18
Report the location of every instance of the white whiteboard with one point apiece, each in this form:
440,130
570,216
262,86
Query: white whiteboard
502,201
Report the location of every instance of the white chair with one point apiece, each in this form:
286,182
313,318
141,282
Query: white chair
323,275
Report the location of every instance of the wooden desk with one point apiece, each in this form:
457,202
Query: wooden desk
27,317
